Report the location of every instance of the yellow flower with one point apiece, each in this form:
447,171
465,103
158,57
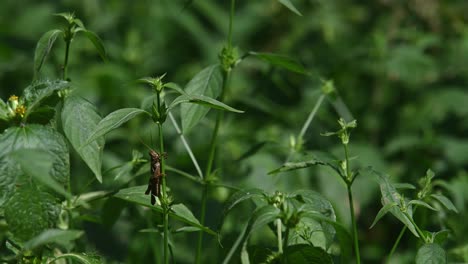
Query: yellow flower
13,98
20,110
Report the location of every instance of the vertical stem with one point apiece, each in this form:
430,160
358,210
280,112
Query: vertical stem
209,166
349,182
164,199
311,116
286,237
219,118
231,18
65,62
395,245
353,221
279,235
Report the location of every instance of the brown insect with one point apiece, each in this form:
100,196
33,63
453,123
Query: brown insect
154,184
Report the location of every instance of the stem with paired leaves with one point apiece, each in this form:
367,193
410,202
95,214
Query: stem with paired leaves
164,200
213,143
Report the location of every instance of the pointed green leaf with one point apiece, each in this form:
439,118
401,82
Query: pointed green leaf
3,110
175,87
208,83
423,204
37,92
445,202
203,101
404,186
383,211
281,61
113,121
241,196
38,163
259,218
431,254
344,238
290,6
43,48
80,118
56,236
97,42
80,258
390,195
178,211
305,254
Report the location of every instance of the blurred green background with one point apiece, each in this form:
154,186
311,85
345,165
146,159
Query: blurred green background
400,66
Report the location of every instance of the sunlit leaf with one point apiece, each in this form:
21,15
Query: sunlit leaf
113,121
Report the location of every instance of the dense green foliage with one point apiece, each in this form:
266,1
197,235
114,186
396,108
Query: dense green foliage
244,98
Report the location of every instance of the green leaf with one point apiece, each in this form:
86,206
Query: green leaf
207,82
259,218
113,121
344,238
445,202
306,254
390,195
30,211
56,236
79,119
431,254
306,161
31,137
404,186
37,92
383,211
80,257
3,110
97,42
290,6
203,101
281,61
43,49
423,204
178,211
38,163
241,196
175,87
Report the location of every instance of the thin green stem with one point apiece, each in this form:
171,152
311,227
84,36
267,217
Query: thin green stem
286,238
231,18
65,62
164,200
186,145
353,221
395,245
209,166
202,221
349,183
311,116
279,234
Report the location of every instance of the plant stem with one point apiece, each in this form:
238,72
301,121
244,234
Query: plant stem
311,116
279,234
206,180
65,62
395,245
286,238
231,18
213,144
353,221
186,145
164,199
349,183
